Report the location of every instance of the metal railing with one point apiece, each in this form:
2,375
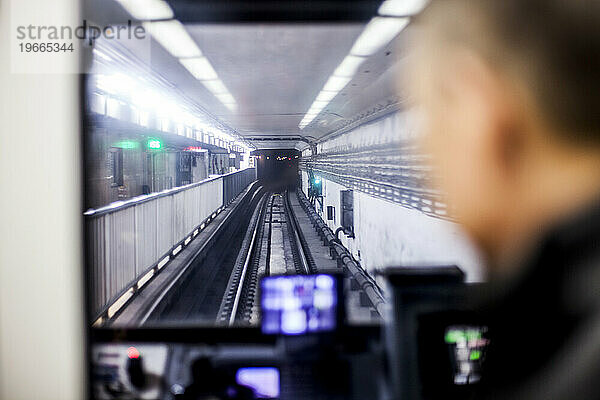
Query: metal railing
369,286
235,182
130,241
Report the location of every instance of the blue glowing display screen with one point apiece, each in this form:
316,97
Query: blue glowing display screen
299,304
264,381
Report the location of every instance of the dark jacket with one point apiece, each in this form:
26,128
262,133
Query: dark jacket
545,330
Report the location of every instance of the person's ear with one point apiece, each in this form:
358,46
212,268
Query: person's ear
493,109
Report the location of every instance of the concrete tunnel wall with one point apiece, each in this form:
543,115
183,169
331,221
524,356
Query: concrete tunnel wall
387,233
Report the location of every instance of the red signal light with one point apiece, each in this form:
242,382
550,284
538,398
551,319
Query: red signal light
132,352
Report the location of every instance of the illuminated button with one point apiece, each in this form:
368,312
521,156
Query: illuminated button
132,352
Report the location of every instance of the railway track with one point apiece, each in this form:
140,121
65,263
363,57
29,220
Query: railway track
274,245
220,283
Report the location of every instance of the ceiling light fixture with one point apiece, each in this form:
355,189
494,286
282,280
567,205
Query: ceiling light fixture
231,107
349,66
145,10
101,55
401,8
225,98
336,83
200,68
319,105
326,96
377,34
215,86
174,38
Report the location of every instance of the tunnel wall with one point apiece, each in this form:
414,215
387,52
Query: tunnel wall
387,231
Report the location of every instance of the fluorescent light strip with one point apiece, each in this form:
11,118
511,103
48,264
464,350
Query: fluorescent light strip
326,96
401,8
336,83
349,66
101,55
200,68
146,10
308,119
231,107
215,86
174,38
225,98
319,105
315,110
377,34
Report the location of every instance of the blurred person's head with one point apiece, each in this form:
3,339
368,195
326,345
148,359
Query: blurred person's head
508,91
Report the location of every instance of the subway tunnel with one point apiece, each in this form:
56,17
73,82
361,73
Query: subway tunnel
261,218
228,161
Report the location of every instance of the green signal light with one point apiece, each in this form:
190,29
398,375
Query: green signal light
473,335
127,144
154,144
454,336
475,355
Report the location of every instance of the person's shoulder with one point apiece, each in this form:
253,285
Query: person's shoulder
572,373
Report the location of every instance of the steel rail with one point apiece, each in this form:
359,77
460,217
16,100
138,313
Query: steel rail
251,247
270,235
293,224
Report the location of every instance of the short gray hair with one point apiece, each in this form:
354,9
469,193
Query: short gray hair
556,43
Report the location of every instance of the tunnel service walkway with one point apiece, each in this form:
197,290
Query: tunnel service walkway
319,252
360,310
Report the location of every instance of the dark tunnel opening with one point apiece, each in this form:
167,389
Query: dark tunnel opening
278,169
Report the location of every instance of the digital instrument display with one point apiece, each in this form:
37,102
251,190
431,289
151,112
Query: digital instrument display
467,346
299,304
263,380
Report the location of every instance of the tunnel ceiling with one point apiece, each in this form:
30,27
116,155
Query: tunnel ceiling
275,71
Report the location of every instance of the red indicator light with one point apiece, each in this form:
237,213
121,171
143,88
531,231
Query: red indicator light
132,352
193,148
